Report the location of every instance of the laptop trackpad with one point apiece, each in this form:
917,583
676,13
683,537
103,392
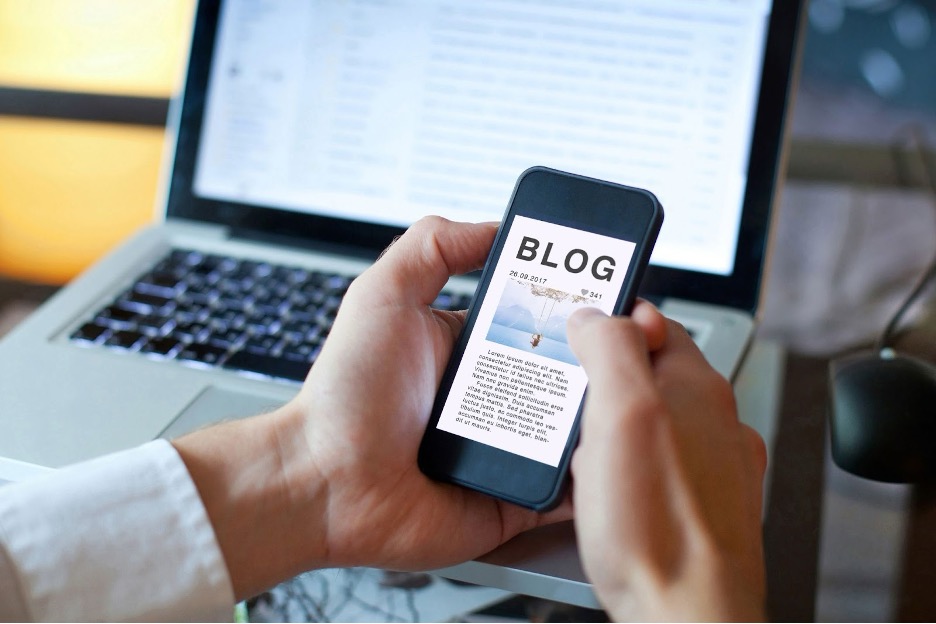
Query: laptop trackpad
214,405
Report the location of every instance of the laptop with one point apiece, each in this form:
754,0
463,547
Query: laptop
308,135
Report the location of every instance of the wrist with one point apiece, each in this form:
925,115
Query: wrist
264,497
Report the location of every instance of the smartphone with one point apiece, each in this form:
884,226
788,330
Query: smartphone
505,419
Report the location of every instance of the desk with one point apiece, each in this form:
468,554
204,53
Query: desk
545,562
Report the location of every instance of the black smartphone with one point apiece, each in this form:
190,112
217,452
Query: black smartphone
505,419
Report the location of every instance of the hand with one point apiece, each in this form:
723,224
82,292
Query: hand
368,399
331,479
667,481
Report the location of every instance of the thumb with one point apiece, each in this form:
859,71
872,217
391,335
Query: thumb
416,266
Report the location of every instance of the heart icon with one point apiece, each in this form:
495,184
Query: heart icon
584,291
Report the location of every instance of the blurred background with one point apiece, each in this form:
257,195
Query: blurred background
856,223
84,87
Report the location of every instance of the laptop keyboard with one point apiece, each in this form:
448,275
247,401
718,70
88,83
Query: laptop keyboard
214,311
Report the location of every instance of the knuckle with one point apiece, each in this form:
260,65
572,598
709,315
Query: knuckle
357,288
609,343
428,224
642,411
758,448
723,392
615,331
633,415
677,327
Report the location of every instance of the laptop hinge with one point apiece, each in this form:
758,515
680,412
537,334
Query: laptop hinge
199,229
368,254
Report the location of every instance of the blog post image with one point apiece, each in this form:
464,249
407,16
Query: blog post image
519,384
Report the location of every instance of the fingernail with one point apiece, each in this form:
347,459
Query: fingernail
585,315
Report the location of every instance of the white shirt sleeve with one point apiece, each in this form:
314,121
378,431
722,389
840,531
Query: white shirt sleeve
121,538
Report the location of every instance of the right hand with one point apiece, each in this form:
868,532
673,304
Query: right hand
668,484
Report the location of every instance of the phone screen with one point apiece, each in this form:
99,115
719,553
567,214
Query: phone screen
519,386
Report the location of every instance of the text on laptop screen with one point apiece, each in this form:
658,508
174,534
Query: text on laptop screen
388,111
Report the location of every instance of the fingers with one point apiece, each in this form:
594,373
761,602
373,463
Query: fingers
516,519
652,322
622,400
649,319
415,267
757,449
612,350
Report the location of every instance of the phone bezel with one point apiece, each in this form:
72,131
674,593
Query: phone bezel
548,195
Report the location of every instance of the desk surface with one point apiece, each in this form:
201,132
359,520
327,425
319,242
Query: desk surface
545,562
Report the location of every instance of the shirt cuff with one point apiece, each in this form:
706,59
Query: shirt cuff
123,537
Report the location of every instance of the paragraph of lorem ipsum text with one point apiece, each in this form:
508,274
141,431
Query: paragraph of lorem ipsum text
514,394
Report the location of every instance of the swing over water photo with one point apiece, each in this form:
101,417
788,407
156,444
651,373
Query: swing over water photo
532,318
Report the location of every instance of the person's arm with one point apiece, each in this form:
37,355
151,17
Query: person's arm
118,538
668,482
328,480
331,479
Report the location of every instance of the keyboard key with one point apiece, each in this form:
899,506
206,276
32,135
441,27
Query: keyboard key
443,302
244,269
298,300
184,257
312,285
191,332
290,275
325,321
305,314
291,337
186,313
160,283
227,339
89,332
265,320
270,305
206,353
263,269
231,288
116,317
161,346
228,319
302,352
144,302
337,284
263,345
154,325
266,365
301,327
124,339
451,301
196,297
213,263
331,304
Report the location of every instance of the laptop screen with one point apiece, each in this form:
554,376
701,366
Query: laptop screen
377,113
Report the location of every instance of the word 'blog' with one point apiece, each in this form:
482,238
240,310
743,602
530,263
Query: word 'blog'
575,261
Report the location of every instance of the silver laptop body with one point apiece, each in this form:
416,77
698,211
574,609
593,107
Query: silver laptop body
309,134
